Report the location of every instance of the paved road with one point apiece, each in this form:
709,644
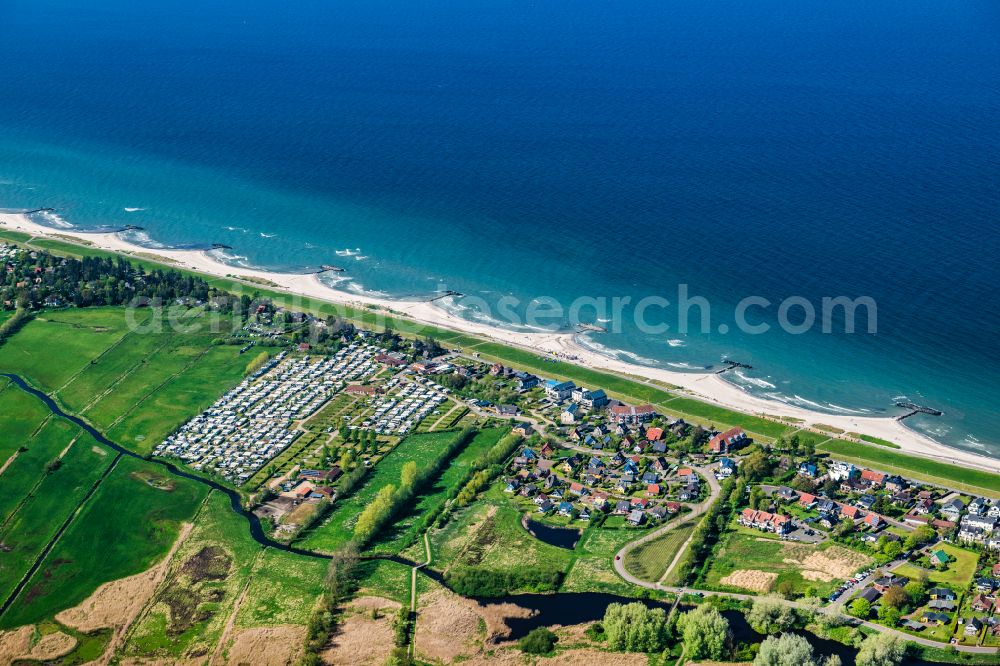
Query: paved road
696,511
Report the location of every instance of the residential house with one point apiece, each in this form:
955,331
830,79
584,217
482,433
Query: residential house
525,381
636,517
934,617
658,512
653,490
577,489
952,509
787,494
841,471
558,391
808,469
973,626
622,507
942,593
942,605
873,478
631,415
570,415
873,521
939,558
885,582
870,594
895,484
524,429
726,468
728,441
983,604
565,508
654,434
807,500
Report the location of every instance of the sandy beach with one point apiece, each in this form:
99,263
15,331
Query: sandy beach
705,386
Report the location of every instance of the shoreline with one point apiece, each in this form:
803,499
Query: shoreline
708,387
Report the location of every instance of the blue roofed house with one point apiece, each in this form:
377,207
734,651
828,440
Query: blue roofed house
808,469
590,399
726,467
565,508
525,381
558,390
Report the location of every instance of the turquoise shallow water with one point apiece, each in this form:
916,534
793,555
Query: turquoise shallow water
564,151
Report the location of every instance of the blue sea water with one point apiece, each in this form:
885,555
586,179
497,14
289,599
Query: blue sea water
559,149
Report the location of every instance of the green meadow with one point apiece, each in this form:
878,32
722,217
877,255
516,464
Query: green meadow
130,522
51,499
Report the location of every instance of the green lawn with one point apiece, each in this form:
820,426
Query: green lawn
338,528
650,560
957,574
403,530
128,524
924,469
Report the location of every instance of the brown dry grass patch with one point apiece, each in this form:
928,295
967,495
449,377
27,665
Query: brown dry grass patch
447,627
361,639
836,561
750,579
17,644
267,646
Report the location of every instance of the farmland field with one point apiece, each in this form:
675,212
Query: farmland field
338,528
135,516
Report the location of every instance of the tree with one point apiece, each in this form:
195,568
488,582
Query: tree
408,474
538,641
861,608
785,650
705,633
920,536
756,466
916,591
770,616
635,628
895,597
888,615
881,650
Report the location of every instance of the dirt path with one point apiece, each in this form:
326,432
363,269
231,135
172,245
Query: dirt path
227,631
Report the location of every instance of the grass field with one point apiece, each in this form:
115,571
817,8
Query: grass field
957,574
593,569
55,346
924,469
338,528
404,529
136,386
130,521
650,560
488,535
749,561
49,500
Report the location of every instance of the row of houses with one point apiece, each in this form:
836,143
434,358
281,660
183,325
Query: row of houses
766,521
404,405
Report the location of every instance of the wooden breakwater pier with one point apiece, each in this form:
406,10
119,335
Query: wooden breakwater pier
590,328
451,293
914,409
733,365
326,268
